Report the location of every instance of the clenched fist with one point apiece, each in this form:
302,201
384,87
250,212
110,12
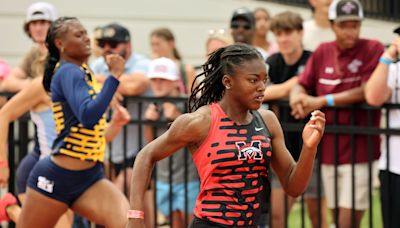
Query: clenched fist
116,65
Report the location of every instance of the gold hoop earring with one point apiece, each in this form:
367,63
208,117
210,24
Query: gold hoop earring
62,49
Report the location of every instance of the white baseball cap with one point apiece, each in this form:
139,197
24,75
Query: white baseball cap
345,10
41,11
164,68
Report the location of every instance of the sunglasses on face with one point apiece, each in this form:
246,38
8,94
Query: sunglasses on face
112,44
214,32
237,25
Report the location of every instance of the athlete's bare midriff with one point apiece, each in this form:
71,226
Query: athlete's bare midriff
71,163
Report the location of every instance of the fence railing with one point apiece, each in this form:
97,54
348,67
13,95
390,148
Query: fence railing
378,9
18,145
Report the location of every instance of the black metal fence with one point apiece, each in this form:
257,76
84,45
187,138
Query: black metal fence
378,9
18,148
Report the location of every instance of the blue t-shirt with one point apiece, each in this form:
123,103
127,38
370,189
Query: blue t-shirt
135,64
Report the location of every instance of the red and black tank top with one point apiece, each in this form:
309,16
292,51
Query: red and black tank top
233,164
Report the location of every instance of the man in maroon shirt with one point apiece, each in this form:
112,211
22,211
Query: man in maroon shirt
335,75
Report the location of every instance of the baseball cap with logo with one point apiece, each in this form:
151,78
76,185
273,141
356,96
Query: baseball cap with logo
114,32
345,10
40,11
163,68
244,14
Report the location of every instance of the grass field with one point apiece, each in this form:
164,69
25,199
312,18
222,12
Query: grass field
295,220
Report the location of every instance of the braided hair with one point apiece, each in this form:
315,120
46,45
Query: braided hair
220,62
56,30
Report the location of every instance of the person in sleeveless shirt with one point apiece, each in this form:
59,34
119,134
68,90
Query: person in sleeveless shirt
73,177
233,143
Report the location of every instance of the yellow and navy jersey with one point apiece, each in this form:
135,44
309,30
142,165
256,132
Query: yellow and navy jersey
79,105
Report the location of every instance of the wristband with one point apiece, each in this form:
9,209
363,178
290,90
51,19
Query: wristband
3,163
135,214
384,60
330,101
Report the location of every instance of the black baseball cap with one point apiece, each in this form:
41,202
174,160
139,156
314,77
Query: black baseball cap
345,10
114,32
397,30
244,14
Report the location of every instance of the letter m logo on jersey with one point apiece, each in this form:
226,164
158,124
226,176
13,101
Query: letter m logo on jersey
252,151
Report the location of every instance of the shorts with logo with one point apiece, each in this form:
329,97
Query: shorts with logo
178,196
61,184
24,169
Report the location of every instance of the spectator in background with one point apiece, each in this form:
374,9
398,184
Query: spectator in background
318,29
335,74
383,86
162,42
261,42
217,38
164,77
116,39
243,26
39,16
284,68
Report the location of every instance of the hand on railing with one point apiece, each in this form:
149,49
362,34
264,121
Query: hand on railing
171,111
152,113
120,115
393,51
304,104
